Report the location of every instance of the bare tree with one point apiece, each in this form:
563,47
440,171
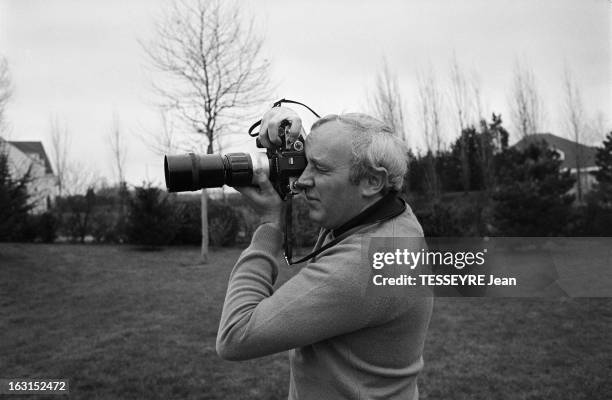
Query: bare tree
60,144
575,124
118,148
466,98
6,89
596,129
459,94
475,85
429,101
211,58
465,95
463,109
387,102
525,101
80,177
162,140
73,177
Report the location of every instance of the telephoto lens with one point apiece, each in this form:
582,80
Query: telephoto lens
192,171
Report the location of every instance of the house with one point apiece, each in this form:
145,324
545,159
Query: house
569,151
32,157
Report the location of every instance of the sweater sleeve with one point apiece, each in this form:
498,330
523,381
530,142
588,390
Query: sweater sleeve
323,300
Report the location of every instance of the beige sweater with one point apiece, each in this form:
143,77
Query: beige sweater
345,340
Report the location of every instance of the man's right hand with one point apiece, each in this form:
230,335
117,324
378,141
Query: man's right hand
265,200
271,121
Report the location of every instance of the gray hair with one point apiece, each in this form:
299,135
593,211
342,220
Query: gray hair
373,145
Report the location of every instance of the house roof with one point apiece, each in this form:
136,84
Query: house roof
35,148
568,147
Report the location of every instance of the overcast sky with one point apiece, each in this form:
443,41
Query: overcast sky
80,60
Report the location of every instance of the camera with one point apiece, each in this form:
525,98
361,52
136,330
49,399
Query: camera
283,164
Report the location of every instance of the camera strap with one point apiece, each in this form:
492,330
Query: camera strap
390,206
278,104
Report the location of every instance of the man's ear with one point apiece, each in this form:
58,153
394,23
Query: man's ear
375,182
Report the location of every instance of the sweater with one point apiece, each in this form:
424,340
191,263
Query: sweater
344,340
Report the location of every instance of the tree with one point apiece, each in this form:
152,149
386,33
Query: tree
603,160
73,177
5,92
575,124
525,102
492,143
531,198
482,146
152,220
429,100
466,98
211,58
387,103
118,149
76,213
15,203
595,217
80,177
596,128
162,141
60,143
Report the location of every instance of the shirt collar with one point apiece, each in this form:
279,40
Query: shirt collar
390,205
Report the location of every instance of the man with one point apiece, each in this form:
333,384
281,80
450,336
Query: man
344,340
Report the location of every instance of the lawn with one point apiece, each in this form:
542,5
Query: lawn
122,323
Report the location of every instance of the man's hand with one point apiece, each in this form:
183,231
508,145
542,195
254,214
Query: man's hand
271,121
265,199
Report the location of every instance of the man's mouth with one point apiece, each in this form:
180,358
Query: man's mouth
309,198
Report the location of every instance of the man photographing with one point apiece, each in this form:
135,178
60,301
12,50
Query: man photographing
343,342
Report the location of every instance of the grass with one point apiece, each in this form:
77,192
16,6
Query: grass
121,323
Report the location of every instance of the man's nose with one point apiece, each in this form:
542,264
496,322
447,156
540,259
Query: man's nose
305,181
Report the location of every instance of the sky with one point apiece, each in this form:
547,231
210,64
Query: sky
80,61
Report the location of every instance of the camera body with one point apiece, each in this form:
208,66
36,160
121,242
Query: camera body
283,164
